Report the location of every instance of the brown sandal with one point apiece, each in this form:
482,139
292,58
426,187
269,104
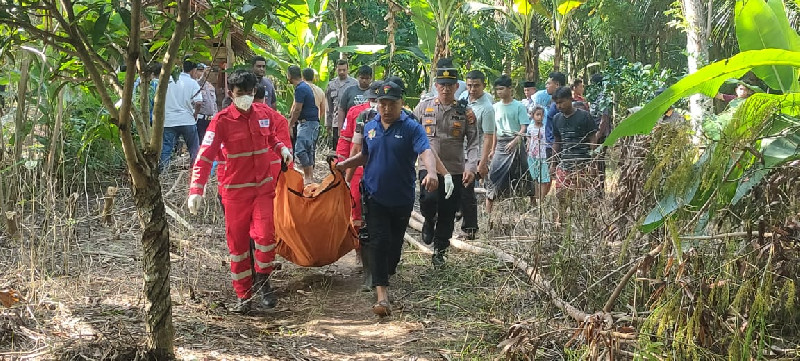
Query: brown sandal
382,308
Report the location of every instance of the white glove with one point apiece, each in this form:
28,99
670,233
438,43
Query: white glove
286,154
448,186
194,203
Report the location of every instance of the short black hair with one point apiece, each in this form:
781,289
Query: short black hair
294,72
563,92
597,79
261,93
342,62
257,58
243,79
188,65
577,82
559,77
476,75
503,80
153,69
364,70
308,74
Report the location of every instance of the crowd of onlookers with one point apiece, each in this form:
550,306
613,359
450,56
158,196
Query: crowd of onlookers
463,131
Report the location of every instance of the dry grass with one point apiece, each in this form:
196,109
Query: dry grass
82,296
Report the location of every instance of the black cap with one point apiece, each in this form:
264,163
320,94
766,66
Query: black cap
372,92
391,91
446,76
529,84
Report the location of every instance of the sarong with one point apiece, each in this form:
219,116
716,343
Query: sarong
506,169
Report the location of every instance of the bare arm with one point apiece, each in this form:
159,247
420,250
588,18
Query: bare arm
431,162
352,162
295,114
348,175
483,164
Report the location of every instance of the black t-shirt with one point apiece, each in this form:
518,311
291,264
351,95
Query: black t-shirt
351,97
572,133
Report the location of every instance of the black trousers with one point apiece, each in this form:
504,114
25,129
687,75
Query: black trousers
386,227
202,125
469,209
442,212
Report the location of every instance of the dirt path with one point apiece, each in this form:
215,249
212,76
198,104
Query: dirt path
85,301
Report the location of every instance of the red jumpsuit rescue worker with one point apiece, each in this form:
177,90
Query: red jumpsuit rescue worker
246,132
349,144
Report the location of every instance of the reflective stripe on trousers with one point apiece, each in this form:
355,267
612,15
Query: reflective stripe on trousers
246,218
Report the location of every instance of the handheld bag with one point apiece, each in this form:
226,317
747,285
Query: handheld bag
312,223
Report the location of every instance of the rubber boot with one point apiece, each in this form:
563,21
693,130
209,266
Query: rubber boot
263,289
242,306
366,263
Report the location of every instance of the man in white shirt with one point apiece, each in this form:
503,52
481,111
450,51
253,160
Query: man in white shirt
184,99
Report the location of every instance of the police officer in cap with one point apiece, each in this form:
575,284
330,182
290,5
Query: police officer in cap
447,128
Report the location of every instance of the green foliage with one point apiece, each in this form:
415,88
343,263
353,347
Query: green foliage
633,83
764,25
422,13
706,81
468,43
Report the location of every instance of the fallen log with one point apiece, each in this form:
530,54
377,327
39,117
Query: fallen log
534,277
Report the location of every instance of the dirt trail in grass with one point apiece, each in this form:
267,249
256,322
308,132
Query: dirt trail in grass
85,301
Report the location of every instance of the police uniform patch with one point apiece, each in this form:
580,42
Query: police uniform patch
264,123
457,124
471,116
428,120
430,130
429,110
456,132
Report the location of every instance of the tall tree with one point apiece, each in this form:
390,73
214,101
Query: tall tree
698,29
83,33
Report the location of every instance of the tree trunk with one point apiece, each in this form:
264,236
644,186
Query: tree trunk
156,264
697,50
55,139
19,120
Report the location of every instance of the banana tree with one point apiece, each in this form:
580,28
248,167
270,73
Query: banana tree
763,133
302,39
521,15
433,20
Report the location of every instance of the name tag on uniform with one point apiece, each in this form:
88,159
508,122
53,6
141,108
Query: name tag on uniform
398,136
264,123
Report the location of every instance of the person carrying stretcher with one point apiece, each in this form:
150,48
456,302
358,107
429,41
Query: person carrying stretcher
246,133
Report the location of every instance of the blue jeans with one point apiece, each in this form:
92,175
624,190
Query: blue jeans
306,143
189,135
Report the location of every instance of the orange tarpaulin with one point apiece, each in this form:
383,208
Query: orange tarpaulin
312,223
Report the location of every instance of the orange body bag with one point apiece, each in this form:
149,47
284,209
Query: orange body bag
312,223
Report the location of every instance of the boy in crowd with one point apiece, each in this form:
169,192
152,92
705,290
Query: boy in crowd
574,133
511,122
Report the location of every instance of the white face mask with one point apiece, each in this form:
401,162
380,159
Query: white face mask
243,102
